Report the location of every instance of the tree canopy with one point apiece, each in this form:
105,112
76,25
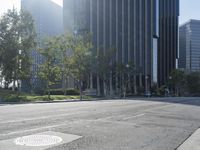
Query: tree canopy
17,38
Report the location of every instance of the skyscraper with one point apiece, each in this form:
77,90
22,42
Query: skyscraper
48,17
143,31
190,45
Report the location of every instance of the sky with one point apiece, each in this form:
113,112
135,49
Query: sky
8,4
189,9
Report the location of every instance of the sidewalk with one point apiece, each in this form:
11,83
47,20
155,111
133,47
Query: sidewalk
192,143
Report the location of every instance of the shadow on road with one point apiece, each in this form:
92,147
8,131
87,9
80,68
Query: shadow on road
195,101
178,100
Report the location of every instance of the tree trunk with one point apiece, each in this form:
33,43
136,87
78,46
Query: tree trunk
104,89
13,88
80,88
111,85
124,92
18,90
65,86
49,94
91,81
98,86
135,86
116,85
104,86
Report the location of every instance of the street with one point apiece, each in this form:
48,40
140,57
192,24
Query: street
131,124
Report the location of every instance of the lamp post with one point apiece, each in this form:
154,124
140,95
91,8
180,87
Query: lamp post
127,66
147,92
126,79
170,78
128,74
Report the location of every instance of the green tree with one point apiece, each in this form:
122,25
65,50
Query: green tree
17,38
104,66
178,81
49,70
193,83
125,71
65,44
81,57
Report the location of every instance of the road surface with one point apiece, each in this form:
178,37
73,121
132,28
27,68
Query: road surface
132,124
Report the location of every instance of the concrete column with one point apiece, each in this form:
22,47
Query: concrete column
135,85
129,46
104,43
98,80
98,86
123,33
117,82
91,81
111,41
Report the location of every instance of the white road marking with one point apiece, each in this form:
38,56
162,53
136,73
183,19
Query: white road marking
40,118
34,129
156,108
136,116
47,117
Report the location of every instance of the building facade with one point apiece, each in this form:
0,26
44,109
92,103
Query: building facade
190,46
48,17
144,32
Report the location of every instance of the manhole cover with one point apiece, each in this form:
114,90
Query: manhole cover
38,140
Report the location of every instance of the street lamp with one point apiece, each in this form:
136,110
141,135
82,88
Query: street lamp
147,92
170,88
127,65
75,32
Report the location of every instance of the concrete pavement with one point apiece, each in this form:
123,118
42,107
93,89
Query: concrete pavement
192,143
143,124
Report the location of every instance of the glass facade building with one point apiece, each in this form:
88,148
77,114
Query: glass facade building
190,46
48,18
144,32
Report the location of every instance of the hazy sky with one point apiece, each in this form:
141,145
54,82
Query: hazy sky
6,4
189,9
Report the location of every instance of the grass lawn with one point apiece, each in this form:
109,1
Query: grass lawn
10,96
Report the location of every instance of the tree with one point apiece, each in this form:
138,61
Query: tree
125,71
65,44
49,69
17,38
81,56
177,80
104,66
193,83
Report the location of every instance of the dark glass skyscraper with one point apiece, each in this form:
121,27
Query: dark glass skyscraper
143,31
48,18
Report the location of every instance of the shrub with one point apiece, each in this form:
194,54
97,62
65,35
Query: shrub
193,83
161,90
72,92
61,92
39,91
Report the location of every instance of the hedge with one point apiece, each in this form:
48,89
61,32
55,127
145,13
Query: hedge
61,92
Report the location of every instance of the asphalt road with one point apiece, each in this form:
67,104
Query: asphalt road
145,124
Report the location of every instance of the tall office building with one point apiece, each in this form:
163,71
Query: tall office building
144,32
190,45
48,17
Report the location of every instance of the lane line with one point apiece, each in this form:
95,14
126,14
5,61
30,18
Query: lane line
156,108
136,116
66,114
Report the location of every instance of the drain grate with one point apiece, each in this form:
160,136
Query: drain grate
38,140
